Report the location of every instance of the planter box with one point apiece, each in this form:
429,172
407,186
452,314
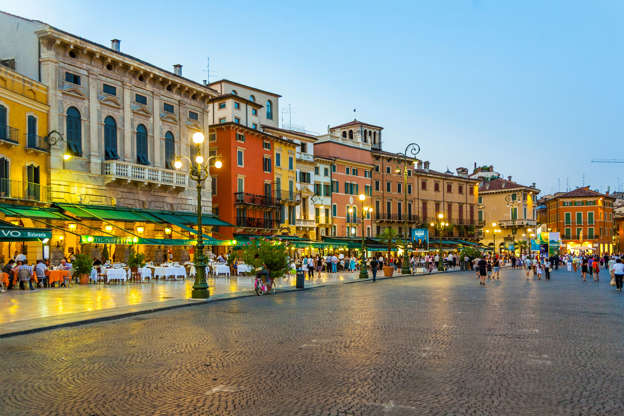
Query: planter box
84,279
388,271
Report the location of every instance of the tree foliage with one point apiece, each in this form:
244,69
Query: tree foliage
270,254
389,237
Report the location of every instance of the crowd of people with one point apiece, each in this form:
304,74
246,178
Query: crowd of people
17,273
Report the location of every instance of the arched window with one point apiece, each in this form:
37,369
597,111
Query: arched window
269,110
4,128
5,188
344,134
110,139
252,98
141,145
31,132
351,134
169,150
73,131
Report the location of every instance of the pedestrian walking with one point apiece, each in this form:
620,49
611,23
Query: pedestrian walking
618,272
496,268
538,270
374,263
584,263
596,270
527,263
482,269
547,267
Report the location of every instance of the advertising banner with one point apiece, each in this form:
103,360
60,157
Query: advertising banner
554,244
420,236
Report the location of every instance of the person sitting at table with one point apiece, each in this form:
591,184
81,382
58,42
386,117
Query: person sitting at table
8,269
65,265
40,270
220,259
24,272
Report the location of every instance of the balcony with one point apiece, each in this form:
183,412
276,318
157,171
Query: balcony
38,143
324,221
287,197
251,222
305,223
517,223
242,198
9,135
305,156
25,191
396,218
133,172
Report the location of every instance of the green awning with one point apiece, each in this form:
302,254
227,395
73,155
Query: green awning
188,218
24,234
22,211
108,213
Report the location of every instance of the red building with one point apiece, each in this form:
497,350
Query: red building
350,176
242,190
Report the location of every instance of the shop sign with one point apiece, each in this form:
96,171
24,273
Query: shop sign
420,235
23,234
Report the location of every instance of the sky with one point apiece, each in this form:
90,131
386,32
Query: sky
531,87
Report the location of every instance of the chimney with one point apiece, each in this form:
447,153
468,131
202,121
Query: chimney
475,168
115,44
177,69
533,185
205,82
419,164
509,178
426,165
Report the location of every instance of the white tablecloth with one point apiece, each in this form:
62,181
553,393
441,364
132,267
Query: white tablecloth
243,268
116,274
145,272
221,269
175,271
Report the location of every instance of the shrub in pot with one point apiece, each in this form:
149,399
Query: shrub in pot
82,266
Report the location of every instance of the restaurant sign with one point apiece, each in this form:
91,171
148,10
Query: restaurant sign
23,234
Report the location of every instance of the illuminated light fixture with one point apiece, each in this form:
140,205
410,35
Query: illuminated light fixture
140,230
440,215
72,226
233,242
90,239
362,197
199,159
177,164
198,138
432,224
493,224
167,230
45,241
67,156
135,239
108,228
60,237
218,164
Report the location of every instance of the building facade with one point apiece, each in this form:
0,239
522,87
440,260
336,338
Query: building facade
24,153
507,212
323,195
584,219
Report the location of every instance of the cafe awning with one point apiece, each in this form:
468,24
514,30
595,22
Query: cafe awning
93,212
8,233
24,211
188,218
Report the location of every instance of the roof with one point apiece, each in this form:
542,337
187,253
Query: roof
500,184
399,156
583,192
223,97
293,132
355,122
244,86
445,175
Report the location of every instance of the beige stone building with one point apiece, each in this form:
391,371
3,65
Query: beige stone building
512,208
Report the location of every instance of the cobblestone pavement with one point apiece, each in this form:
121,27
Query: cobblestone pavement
25,305
408,346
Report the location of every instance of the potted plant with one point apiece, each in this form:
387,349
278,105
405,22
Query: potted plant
82,266
389,237
135,260
272,254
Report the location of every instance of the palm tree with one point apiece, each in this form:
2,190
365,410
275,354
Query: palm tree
522,244
389,236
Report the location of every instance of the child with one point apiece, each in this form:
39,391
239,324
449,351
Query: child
538,270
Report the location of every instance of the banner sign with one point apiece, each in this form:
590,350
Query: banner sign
106,239
554,244
23,234
420,235
535,245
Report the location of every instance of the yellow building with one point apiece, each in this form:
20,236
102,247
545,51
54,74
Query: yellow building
24,158
507,213
285,183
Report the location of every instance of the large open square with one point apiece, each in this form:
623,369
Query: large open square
407,346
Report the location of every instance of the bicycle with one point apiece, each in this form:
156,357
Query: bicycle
262,286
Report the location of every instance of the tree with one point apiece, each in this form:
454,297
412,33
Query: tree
270,253
389,237
522,244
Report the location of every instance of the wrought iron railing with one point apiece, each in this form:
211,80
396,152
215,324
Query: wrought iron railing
37,142
252,222
9,134
28,191
254,199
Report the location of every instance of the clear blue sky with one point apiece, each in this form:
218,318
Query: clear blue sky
533,87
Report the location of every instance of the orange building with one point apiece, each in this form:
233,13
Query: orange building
243,191
350,176
584,219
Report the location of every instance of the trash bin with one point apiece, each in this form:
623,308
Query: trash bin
300,279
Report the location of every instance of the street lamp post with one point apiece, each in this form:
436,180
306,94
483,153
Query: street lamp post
199,171
439,225
363,212
494,231
411,150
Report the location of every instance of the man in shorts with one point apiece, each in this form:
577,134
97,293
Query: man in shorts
482,267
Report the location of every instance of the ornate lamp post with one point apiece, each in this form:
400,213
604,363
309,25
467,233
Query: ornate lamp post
363,212
412,150
199,171
494,231
439,225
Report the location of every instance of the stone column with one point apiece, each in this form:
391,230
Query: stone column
157,142
94,148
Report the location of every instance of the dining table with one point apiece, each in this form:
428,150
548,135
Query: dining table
116,274
243,268
221,269
169,271
4,277
56,276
